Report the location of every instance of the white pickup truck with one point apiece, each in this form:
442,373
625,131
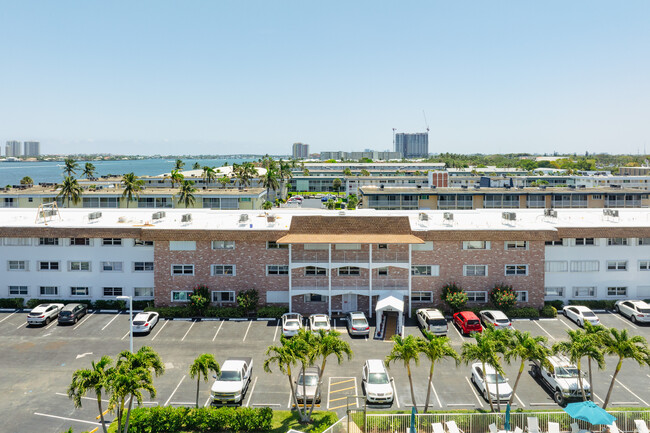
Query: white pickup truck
231,385
561,379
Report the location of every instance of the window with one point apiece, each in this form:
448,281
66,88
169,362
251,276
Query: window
142,266
79,266
597,197
516,269
111,266
585,266
79,291
382,272
617,291
556,266
270,245
476,296
476,245
313,270
644,265
382,246
17,242
223,296
112,291
585,241
316,247
141,243
17,265
48,241
616,241
584,292
18,291
48,266
277,270
425,270
347,246
223,270
79,242
223,245
312,297
422,296
181,295
111,241
554,243
427,246
143,292
522,296
643,241
48,290
475,270
349,271
182,269
617,265
516,245
554,292
182,245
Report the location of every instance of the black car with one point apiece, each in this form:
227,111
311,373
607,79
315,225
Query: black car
71,313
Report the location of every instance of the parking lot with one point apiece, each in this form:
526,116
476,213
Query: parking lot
38,363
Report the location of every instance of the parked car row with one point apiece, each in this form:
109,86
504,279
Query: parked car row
356,322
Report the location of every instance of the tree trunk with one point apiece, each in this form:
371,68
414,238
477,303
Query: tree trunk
611,385
429,385
582,389
591,382
521,370
496,376
304,396
408,371
320,378
101,412
293,392
197,389
487,390
128,414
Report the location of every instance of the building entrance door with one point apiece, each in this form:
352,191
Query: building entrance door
349,303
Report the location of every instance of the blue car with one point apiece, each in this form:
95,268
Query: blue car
326,198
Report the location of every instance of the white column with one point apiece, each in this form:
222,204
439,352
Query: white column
329,280
290,286
410,276
370,280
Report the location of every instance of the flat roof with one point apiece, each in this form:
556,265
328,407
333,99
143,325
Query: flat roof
425,190
156,191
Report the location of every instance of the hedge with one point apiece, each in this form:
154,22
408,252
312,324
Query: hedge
206,419
269,311
12,302
34,302
596,305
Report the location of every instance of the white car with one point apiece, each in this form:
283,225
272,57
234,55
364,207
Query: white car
376,383
432,320
143,323
490,392
318,322
636,311
44,314
581,314
291,324
495,318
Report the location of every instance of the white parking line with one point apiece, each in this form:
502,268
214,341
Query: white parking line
247,329
83,320
601,400
188,331
217,333
356,392
161,328
392,382
106,326
289,402
250,392
22,325
207,402
474,391
54,322
127,334
630,391
625,321
329,387
519,400
564,323
275,334
175,389
540,327
436,394
67,419
85,398
457,331
8,316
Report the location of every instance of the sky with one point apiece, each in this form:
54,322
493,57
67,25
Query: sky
223,77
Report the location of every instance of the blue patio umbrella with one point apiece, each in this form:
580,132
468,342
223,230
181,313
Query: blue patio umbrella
590,412
413,412
506,425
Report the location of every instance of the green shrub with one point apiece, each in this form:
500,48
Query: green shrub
272,311
595,305
503,297
33,303
224,312
523,313
548,311
454,296
141,305
12,302
110,304
558,304
248,300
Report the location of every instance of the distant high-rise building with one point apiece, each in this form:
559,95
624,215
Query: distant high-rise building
300,151
412,145
12,148
32,148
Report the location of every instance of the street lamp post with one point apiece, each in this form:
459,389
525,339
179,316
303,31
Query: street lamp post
124,298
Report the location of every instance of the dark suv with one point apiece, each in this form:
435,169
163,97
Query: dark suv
71,313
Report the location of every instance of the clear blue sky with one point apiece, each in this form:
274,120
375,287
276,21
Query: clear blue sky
256,76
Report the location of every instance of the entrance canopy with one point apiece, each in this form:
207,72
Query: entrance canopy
392,302
389,303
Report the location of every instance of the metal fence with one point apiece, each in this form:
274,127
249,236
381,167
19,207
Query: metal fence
340,426
479,422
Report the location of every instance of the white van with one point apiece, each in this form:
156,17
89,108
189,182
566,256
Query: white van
432,320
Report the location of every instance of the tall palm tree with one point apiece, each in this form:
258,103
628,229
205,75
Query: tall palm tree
285,357
620,343
89,170
69,167
132,187
224,180
209,175
405,350
176,177
196,166
70,190
598,335
435,349
484,351
270,181
330,204
525,347
245,173
336,184
186,193
267,205
26,181
96,378
577,347
178,165
201,367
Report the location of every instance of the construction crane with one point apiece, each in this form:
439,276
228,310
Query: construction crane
425,120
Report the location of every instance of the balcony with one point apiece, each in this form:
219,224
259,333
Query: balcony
390,257
338,283
349,257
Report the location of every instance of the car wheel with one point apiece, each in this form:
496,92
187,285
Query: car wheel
534,371
616,309
559,398
76,319
579,323
633,318
47,321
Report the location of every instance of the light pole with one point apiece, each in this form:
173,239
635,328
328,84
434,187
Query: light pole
124,298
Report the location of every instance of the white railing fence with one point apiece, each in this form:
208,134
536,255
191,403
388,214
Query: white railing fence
340,426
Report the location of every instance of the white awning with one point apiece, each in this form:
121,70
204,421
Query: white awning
392,302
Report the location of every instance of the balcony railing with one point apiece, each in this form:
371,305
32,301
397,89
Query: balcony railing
388,257
349,257
309,257
340,283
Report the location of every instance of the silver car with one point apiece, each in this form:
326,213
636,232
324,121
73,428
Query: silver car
357,324
307,388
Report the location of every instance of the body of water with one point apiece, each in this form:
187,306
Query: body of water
52,171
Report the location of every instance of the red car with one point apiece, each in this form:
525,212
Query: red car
467,322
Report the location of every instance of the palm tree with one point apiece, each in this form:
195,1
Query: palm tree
209,175
435,349
527,348
577,347
405,350
305,172
347,171
597,334
70,166
89,170
270,181
620,343
132,187
96,378
224,180
70,190
330,204
26,181
365,172
176,177
179,164
483,351
186,193
267,205
196,166
336,184
201,367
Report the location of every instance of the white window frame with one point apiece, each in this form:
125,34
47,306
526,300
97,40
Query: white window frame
643,241
187,294
141,243
144,265
21,290
591,291
426,246
309,297
278,270
559,289
472,296
41,288
179,269
223,268
347,247
515,245
476,245
522,295
382,272
73,294
88,242
113,289
58,266
19,265
17,242
474,268
425,270
559,243
140,296
222,245
182,245
585,242
231,295
616,265
556,266
584,266
315,271
613,242
616,290
45,242
349,271
80,263
515,270
112,267
422,296
644,265
272,245
111,242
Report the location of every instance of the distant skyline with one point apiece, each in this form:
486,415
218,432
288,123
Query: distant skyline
224,77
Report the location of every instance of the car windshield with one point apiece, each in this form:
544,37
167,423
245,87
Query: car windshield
65,313
138,323
437,322
588,314
492,378
291,324
230,376
378,378
472,322
320,323
566,372
359,322
309,380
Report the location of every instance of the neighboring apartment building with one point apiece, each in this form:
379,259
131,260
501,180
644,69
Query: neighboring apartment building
300,151
32,148
12,149
414,145
634,171
355,156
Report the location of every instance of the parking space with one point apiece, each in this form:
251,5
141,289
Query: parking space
341,391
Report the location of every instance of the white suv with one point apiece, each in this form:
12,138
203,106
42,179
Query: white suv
44,314
432,320
376,383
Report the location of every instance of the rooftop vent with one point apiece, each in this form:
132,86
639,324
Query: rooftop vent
615,186
582,186
270,220
243,218
186,218
506,186
448,216
94,216
542,187
434,186
509,216
610,213
550,213
381,186
158,215
477,186
419,186
423,217
572,187
463,187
